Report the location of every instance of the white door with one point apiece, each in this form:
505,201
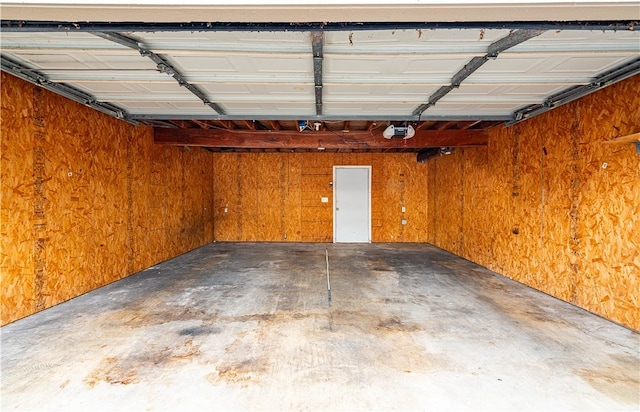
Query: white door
352,204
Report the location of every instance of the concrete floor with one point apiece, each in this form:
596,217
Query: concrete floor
250,327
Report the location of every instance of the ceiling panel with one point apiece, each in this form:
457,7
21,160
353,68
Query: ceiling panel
379,91
262,109
135,89
550,69
508,92
418,66
54,40
165,108
74,61
256,90
239,65
227,41
568,41
455,110
418,41
361,109
357,74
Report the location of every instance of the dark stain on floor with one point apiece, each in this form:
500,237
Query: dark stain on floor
395,324
135,367
616,379
248,370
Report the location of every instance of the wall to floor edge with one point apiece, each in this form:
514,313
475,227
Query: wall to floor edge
548,204
278,196
88,199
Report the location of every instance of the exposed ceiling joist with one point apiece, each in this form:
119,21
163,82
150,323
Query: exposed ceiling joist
274,125
251,125
163,65
201,124
321,140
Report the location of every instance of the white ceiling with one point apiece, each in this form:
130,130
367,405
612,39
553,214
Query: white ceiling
320,10
366,74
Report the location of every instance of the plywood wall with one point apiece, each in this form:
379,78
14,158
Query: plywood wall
549,204
277,196
88,199
22,201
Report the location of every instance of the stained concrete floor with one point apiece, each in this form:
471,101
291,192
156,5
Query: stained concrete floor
250,327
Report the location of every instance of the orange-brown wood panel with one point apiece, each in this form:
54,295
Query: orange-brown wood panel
526,208
110,204
227,214
90,199
19,225
270,184
209,197
316,223
431,202
292,201
282,195
413,198
249,197
147,206
558,191
448,201
476,205
608,207
195,182
563,207
500,220
387,190
174,201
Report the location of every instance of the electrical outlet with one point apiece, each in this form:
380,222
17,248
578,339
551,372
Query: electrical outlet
403,209
404,221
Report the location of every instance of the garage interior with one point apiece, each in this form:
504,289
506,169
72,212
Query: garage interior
171,228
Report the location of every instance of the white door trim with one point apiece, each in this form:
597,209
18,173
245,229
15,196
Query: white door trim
334,198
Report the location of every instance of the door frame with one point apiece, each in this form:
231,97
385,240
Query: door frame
335,185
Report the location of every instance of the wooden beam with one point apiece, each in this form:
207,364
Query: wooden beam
179,123
227,124
469,125
424,125
274,125
311,140
445,125
250,124
202,124
373,126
